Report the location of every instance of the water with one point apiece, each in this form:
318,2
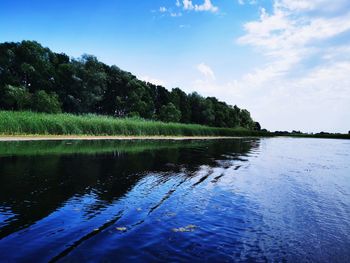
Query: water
257,200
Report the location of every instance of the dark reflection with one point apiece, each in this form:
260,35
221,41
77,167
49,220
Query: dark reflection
36,178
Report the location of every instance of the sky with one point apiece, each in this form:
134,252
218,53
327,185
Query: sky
286,61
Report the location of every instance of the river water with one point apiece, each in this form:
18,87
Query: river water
256,200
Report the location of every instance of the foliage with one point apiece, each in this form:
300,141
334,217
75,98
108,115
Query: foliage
169,113
17,98
44,102
257,126
33,77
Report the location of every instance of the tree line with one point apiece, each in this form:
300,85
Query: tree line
35,78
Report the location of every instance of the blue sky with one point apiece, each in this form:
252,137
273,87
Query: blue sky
286,61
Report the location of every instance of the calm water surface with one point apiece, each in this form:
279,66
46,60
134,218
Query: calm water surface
276,199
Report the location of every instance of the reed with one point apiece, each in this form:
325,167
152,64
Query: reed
32,123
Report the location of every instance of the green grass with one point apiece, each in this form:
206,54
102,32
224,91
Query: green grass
31,123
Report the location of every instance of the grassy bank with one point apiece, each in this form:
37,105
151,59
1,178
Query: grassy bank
31,123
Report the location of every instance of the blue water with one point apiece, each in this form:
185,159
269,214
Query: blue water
256,200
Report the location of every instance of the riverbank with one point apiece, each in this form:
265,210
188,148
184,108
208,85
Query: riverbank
19,138
32,126
115,138
31,123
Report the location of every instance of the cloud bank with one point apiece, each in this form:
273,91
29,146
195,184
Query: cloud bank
305,82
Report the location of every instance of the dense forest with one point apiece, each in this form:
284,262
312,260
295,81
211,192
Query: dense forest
35,78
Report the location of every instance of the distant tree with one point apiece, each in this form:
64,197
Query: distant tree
198,107
93,80
139,99
69,87
114,98
169,113
246,120
181,102
44,102
162,97
16,98
281,132
323,133
257,126
27,71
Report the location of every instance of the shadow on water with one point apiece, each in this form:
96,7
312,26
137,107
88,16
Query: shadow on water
57,195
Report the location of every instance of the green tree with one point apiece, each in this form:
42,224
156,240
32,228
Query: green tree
16,98
139,99
246,120
44,102
169,113
257,127
92,82
114,98
27,71
181,102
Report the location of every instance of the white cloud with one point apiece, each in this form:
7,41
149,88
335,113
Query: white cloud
251,2
187,4
281,31
163,9
174,14
308,5
206,6
206,71
169,12
290,38
305,82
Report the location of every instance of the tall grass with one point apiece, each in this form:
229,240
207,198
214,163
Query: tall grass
31,123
